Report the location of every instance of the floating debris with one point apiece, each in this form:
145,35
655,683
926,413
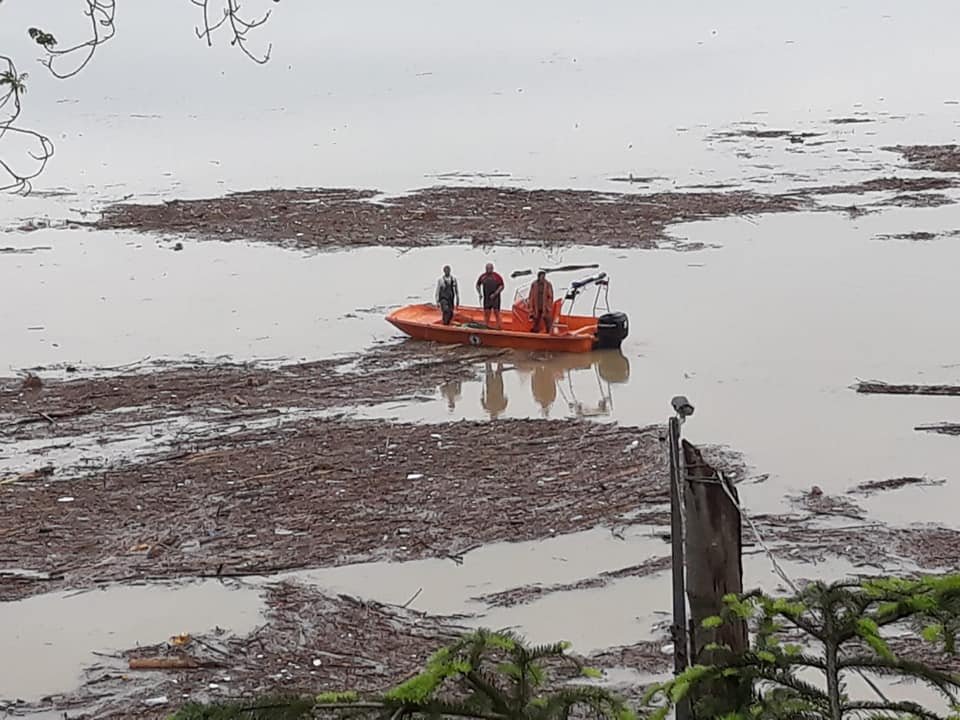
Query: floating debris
876,387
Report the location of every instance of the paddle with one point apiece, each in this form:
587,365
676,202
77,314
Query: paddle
560,268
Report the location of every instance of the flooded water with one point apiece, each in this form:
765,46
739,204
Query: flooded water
50,639
764,333
375,95
621,611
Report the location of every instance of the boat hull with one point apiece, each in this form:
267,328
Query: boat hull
575,334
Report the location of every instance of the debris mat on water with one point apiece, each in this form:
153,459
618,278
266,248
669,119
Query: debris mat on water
872,486
248,504
940,428
876,387
311,641
940,158
337,218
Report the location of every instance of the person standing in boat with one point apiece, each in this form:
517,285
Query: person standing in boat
448,295
490,286
541,303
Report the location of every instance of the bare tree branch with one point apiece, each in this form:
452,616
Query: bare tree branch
239,26
101,15
12,87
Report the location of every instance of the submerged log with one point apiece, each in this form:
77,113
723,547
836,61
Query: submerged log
875,387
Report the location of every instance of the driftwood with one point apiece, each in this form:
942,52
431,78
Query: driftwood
171,662
941,428
875,387
872,486
51,417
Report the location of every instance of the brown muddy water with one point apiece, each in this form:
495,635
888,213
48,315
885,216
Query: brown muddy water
49,638
55,636
765,330
765,333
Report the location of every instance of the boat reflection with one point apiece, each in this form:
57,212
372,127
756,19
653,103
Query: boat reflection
558,384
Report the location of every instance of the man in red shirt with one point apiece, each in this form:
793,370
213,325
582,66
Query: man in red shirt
490,285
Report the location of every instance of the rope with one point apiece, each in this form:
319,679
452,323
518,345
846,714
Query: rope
760,541
779,570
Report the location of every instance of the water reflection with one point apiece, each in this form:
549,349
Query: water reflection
452,390
493,399
577,385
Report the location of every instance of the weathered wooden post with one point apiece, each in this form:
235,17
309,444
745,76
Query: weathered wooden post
714,569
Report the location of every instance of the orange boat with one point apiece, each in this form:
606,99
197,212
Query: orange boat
571,333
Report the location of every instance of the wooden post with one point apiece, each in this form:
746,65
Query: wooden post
714,569
679,628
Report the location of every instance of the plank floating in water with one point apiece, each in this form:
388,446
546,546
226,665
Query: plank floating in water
941,428
875,387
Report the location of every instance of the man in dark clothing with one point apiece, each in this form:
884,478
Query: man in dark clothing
490,285
448,295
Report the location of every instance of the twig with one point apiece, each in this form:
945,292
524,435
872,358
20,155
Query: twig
175,662
126,365
415,596
238,25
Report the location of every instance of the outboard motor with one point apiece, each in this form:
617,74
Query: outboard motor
612,330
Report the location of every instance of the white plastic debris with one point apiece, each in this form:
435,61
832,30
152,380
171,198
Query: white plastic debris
436,436
632,446
156,701
415,476
188,546
317,662
282,531
65,499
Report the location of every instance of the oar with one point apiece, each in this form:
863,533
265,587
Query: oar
561,268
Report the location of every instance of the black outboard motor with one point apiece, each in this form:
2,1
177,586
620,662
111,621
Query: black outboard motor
612,330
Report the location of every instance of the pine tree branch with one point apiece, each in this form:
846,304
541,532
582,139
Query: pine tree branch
488,690
431,708
910,708
946,683
785,679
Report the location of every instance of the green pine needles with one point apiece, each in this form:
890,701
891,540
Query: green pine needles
485,676
804,651
806,648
